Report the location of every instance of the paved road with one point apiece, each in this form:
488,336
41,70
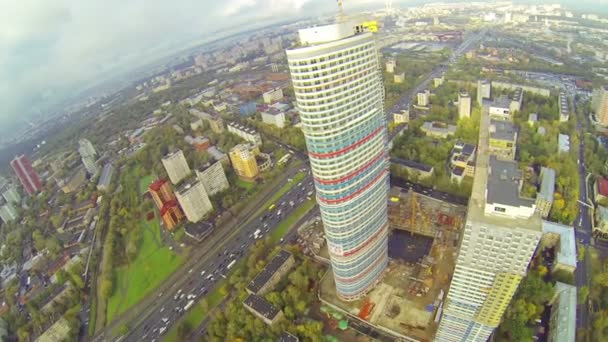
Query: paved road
583,227
290,237
135,315
213,266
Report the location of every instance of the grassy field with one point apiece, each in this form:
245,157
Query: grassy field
153,263
144,183
244,185
296,215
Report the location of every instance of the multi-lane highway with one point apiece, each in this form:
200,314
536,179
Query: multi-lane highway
170,305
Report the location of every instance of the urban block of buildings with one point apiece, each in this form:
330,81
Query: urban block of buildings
401,117
423,98
262,309
413,168
562,322
106,177
274,117
87,154
272,95
484,90
243,161
563,240
563,143
564,107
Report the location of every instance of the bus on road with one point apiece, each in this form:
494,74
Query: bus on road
231,264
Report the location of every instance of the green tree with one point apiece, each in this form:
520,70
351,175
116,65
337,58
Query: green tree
184,329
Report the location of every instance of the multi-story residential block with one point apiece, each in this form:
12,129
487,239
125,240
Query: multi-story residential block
503,139
501,234
544,197
243,161
500,109
423,98
273,95
438,129
216,123
338,86
562,322
399,78
517,100
564,107
262,309
274,117
484,90
390,65
249,134
401,117
166,202
193,200
563,143
11,195
106,177
271,274
8,212
600,105
176,165
27,175
464,105
213,178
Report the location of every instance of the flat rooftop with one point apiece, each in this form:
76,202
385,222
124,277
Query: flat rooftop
261,306
269,270
503,183
566,253
503,130
477,202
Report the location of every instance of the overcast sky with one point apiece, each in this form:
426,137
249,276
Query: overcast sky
50,47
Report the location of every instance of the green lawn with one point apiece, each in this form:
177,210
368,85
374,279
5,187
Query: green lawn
244,185
153,263
144,183
295,216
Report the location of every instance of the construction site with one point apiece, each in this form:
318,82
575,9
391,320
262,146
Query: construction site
423,243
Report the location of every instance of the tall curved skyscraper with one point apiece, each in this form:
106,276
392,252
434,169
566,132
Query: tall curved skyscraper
340,97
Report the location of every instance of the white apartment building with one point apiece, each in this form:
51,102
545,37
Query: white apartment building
213,178
193,200
246,133
464,105
176,165
273,95
337,82
274,117
423,98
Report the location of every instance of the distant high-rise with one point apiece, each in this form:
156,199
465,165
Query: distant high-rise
26,174
464,105
87,155
194,200
600,104
484,90
339,92
176,165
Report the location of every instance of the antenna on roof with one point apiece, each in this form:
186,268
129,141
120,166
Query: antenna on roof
340,11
